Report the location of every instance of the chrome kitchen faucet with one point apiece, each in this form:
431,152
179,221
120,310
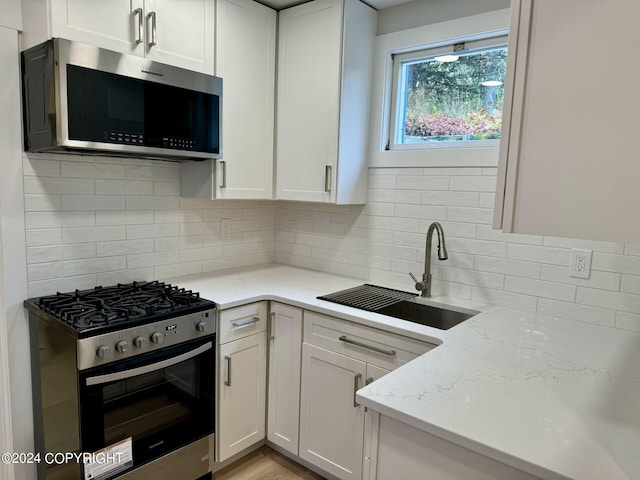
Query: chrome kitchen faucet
425,284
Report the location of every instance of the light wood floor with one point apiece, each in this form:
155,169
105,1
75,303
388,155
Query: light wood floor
265,464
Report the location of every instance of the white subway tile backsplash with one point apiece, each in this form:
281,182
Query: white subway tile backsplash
606,247
91,220
93,234
468,214
124,217
615,263
554,256
628,321
152,259
41,203
91,170
422,182
612,300
513,268
57,253
153,231
44,271
540,288
486,232
94,265
125,247
92,202
59,219
602,280
422,211
583,313
152,202
476,183
40,167
458,199
53,186
44,236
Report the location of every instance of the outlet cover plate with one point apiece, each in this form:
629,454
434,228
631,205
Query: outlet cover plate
580,263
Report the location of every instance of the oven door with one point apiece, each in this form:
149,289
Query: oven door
161,401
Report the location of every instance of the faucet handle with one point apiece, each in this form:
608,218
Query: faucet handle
419,284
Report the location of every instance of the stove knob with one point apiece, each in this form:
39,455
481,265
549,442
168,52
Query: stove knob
102,351
139,341
157,337
201,326
121,346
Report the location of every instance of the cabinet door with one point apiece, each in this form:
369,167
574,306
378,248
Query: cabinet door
184,33
114,25
309,60
285,347
246,60
241,385
568,155
331,422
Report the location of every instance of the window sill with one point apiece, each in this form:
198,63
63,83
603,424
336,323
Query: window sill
436,157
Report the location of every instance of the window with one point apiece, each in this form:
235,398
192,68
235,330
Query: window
448,96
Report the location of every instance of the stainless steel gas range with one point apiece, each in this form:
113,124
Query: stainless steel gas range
123,383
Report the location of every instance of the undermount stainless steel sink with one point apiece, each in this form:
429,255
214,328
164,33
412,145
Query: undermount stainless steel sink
428,315
399,304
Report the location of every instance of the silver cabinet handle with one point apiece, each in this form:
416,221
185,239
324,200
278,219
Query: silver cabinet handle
227,382
138,12
273,325
223,164
152,42
327,178
247,323
356,384
388,353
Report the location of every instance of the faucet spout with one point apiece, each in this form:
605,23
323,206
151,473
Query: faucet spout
442,255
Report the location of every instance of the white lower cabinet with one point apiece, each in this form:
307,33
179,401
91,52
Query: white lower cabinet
285,349
331,422
242,371
338,358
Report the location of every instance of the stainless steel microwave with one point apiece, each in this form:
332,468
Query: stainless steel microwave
82,99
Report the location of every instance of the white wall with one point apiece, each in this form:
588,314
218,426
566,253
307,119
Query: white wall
98,221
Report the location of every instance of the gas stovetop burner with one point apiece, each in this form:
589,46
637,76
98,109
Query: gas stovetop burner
120,305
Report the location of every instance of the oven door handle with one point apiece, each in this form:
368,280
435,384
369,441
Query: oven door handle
133,372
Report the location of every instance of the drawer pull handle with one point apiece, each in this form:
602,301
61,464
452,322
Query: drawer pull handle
227,382
356,384
247,323
138,12
382,351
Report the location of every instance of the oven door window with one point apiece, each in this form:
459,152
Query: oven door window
161,403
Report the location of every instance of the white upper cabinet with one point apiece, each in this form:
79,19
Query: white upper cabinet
568,157
246,60
325,58
176,33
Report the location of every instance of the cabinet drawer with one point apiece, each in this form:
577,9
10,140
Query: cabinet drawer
240,322
368,344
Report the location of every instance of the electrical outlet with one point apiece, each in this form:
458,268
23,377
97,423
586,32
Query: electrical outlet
225,227
580,263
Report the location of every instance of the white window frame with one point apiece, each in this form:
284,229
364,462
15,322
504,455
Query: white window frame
445,34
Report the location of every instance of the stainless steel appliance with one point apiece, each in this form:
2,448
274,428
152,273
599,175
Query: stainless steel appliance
81,99
126,371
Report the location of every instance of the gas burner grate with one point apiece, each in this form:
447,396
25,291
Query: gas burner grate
121,303
368,297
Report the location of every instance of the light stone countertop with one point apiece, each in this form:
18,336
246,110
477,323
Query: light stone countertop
553,397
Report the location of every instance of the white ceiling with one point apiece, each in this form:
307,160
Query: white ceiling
377,4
